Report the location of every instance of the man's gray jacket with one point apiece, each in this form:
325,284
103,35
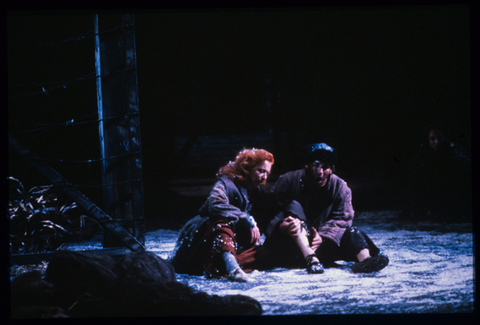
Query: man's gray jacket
328,209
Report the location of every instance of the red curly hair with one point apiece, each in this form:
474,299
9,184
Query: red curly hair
246,160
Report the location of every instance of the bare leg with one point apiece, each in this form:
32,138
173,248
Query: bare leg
313,264
302,242
364,254
293,228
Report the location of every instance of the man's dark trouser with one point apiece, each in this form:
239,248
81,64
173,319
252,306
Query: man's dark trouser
285,252
352,242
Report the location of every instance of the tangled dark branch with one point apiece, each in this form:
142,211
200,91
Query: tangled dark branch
39,221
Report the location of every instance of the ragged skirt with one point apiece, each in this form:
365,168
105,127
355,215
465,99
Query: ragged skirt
202,242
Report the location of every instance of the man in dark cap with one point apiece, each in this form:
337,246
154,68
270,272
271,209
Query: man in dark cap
313,226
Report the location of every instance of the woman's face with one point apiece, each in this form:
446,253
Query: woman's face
260,173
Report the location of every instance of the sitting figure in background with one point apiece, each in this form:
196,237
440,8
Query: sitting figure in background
440,184
314,224
223,241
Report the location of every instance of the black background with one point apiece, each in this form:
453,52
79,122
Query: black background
364,79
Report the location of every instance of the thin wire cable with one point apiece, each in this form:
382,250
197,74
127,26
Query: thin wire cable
77,38
59,186
76,161
87,76
72,121
64,85
108,185
77,95
92,160
44,90
77,185
68,184
68,123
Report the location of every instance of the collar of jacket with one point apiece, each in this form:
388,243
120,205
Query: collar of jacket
236,191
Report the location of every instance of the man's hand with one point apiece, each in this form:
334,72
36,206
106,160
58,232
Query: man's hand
255,235
290,226
316,241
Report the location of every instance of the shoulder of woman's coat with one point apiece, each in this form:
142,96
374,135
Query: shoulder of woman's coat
225,180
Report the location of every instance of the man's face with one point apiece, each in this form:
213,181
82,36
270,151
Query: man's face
318,173
260,173
435,137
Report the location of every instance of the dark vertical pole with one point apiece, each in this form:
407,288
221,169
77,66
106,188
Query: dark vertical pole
119,128
98,72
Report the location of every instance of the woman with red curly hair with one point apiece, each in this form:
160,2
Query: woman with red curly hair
223,240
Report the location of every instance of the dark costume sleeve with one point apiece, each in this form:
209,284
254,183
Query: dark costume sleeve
282,195
219,204
283,190
264,208
338,216
330,222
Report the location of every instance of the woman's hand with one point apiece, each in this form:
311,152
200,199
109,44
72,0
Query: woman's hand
255,235
316,241
290,226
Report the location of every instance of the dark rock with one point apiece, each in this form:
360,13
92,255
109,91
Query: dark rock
29,288
143,267
74,274
35,312
139,284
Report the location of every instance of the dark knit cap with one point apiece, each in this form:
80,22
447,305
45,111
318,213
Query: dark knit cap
322,152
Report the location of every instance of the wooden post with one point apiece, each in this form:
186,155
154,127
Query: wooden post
119,128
